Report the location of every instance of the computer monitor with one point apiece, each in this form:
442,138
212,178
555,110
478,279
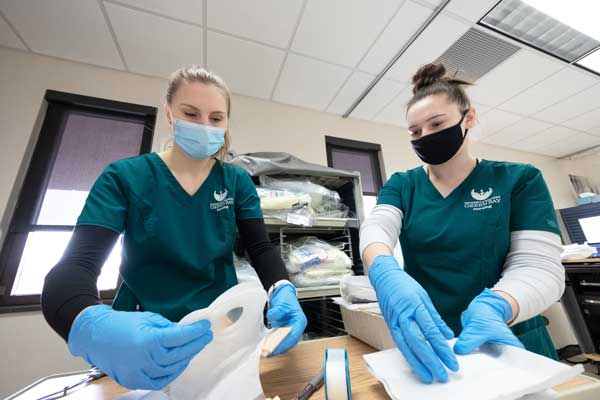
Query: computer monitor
591,228
583,223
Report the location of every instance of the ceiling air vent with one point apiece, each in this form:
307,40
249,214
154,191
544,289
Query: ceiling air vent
475,54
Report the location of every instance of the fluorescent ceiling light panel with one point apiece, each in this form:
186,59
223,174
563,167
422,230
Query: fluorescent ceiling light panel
581,15
530,25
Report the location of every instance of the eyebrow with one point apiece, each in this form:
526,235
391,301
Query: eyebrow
197,109
410,128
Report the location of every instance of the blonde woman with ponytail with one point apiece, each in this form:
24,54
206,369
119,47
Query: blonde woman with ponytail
178,211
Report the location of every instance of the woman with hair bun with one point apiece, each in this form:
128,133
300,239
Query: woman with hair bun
480,240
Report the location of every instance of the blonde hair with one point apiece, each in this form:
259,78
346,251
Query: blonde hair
198,74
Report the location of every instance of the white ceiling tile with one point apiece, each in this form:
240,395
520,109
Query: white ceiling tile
469,9
395,112
378,98
521,70
8,37
64,28
260,69
493,120
429,3
589,122
477,131
309,83
341,31
432,42
551,90
547,152
185,10
155,45
570,145
575,105
267,21
481,108
405,23
353,88
514,133
544,138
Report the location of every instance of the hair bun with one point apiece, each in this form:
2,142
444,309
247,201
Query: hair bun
427,75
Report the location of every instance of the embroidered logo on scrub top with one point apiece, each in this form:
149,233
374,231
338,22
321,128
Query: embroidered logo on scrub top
481,195
221,195
483,199
223,202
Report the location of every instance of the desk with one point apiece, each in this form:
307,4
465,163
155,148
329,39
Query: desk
286,375
582,261
581,300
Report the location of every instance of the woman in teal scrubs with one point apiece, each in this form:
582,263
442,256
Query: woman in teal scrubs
178,211
480,241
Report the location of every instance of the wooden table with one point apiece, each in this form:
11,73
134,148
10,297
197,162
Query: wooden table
583,260
287,375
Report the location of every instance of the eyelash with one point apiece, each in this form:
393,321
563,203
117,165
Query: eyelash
417,133
194,116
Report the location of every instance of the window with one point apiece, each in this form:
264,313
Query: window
366,158
352,155
79,137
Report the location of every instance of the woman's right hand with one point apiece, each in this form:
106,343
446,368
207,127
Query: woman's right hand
139,350
415,325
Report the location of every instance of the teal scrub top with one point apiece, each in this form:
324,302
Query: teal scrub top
177,248
456,246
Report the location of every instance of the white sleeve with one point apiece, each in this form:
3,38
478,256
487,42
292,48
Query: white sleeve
381,226
533,273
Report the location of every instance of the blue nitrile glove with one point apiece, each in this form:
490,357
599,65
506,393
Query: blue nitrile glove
484,321
415,325
284,310
139,350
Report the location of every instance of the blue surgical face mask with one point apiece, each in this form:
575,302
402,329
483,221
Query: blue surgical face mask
196,140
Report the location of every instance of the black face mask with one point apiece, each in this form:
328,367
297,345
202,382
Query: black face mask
439,147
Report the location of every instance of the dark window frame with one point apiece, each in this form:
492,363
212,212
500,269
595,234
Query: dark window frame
332,142
38,171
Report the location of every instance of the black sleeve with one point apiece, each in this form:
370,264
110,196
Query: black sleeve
264,257
70,286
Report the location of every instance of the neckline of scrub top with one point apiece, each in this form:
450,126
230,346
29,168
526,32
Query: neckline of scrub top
174,183
458,189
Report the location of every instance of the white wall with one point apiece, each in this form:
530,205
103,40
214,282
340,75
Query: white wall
30,351
587,166
34,350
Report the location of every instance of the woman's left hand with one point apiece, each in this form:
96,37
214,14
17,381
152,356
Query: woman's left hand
285,310
484,321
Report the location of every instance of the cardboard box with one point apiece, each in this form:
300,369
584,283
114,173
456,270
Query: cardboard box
368,327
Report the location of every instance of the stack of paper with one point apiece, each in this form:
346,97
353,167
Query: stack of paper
492,373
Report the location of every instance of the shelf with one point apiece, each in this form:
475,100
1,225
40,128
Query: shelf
318,291
320,222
